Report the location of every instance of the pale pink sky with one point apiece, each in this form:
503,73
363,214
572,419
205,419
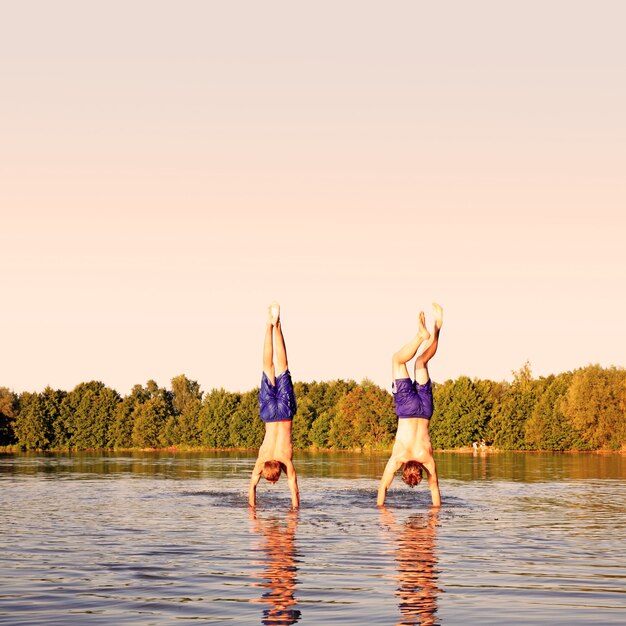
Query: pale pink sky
167,169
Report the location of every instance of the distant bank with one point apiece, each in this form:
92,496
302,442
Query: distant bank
583,410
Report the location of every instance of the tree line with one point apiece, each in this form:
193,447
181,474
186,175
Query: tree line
580,410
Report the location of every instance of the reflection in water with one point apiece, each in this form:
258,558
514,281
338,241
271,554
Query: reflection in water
132,539
416,558
279,576
516,466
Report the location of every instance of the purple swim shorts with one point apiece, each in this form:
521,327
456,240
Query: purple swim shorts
277,402
412,399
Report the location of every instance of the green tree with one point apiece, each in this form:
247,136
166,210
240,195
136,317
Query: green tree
37,418
594,405
8,410
341,435
302,420
149,419
85,415
547,428
319,434
326,398
51,400
462,411
513,409
33,428
246,427
215,416
186,402
581,410
121,431
365,418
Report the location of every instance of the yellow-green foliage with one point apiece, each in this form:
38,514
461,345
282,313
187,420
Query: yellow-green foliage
581,410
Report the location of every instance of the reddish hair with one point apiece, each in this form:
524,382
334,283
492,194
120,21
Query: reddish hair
271,470
412,473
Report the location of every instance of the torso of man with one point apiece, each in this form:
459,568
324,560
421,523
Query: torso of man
277,444
413,442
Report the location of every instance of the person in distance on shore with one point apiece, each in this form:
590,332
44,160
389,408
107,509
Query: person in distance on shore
413,401
277,403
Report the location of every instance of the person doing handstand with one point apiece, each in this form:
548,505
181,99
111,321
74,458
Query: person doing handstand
277,403
414,407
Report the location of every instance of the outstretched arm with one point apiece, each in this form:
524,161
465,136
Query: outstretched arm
390,471
254,481
433,484
293,484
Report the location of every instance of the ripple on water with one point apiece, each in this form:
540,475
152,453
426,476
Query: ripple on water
126,549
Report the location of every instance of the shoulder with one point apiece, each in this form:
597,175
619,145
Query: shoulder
289,468
264,455
400,447
395,462
430,466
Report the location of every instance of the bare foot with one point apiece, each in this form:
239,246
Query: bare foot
438,315
423,331
273,313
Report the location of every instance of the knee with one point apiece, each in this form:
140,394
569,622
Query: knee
396,360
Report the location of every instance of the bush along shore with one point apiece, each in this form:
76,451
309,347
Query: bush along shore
580,410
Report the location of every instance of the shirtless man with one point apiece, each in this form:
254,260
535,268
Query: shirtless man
277,402
414,407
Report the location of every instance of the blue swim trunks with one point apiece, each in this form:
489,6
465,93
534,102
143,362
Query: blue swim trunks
412,399
277,402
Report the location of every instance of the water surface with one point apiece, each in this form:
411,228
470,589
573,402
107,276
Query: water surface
163,538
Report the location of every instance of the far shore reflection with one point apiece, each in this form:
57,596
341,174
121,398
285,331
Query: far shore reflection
189,465
277,545
416,559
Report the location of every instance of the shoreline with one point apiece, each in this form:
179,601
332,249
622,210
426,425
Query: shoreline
181,449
